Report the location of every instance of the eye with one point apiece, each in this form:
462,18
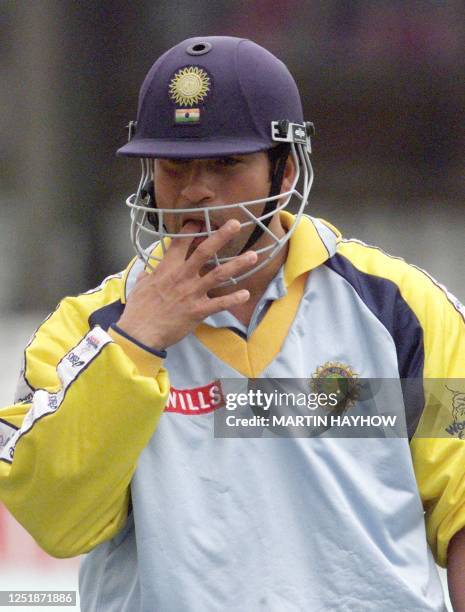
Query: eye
180,162
228,162
173,166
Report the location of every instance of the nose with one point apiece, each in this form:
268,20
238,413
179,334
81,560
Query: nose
198,184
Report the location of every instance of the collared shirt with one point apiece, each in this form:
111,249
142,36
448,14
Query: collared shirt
300,259
275,290
236,523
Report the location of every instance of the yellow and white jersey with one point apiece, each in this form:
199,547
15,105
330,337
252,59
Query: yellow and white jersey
103,453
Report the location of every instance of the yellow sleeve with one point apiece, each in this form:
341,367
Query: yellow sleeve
68,455
438,445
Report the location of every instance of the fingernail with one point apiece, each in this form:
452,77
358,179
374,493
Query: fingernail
251,256
243,295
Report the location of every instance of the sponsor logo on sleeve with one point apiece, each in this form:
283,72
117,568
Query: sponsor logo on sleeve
4,440
26,399
74,360
6,433
457,427
92,341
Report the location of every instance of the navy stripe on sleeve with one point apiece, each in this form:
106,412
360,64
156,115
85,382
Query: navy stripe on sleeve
107,315
385,301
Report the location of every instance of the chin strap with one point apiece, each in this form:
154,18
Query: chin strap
149,190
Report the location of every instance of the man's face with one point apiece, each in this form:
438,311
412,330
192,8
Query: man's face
194,183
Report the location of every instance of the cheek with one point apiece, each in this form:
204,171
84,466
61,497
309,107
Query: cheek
165,197
164,192
248,187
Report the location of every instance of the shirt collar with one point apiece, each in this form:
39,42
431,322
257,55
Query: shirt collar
312,242
275,290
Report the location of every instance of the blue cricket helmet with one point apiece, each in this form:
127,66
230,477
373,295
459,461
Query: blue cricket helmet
210,97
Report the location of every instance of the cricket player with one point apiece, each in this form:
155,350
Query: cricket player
110,446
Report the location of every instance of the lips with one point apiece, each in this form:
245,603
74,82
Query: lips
200,223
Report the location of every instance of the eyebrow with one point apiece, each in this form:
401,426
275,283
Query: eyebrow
191,159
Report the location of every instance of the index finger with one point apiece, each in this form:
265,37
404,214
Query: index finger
207,249
179,245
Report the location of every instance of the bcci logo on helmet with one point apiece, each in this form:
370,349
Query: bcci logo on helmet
189,86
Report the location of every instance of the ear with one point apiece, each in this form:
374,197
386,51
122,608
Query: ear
289,174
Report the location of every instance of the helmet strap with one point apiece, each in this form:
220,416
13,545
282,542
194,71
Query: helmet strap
278,157
149,190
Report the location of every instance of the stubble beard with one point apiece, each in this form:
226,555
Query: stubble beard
231,249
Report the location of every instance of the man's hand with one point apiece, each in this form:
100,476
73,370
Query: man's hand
168,303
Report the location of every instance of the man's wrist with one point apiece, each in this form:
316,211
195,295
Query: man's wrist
158,352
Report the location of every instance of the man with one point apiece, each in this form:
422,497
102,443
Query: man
110,447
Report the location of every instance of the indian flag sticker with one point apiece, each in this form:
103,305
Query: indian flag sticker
187,115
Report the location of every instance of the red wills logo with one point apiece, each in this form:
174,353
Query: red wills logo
198,400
